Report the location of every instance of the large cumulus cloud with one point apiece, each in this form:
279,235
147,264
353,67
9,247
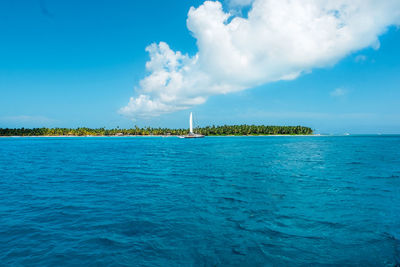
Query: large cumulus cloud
279,40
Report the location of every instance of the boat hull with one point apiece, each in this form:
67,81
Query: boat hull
192,136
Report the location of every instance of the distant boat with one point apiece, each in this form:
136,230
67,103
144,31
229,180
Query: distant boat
191,133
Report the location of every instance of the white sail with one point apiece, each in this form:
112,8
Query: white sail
191,122
191,133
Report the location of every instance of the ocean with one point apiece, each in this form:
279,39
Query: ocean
217,201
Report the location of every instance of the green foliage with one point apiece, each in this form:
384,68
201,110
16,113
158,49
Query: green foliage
209,130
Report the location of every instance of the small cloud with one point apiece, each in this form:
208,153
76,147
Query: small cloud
338,92
240,3
26,121
308,115
360,58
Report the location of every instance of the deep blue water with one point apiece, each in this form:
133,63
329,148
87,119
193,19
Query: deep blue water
217,201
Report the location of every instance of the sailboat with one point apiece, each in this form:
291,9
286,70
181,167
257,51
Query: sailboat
191,133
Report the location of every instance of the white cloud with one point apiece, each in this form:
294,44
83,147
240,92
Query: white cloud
309,115
240,3
280,40
360,58
338,92
26,120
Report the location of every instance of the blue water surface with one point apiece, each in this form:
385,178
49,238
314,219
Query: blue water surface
217,201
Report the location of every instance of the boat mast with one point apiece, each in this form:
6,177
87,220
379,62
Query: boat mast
191,122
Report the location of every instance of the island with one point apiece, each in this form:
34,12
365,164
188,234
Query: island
225,130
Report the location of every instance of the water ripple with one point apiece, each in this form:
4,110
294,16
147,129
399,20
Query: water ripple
248,201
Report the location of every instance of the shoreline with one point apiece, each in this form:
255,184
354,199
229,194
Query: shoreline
133,136
172,136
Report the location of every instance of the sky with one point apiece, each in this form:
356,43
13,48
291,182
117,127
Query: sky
331,65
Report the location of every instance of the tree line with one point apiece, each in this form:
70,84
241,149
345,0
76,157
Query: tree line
209,130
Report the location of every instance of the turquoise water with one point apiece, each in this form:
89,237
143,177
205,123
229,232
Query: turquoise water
217,201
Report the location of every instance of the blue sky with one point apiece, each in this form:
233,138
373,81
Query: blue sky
76,63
